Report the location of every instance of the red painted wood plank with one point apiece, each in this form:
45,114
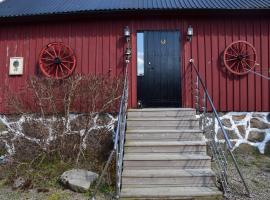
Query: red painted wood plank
222,71
133,67
2,68
236,78
251,77
78,46
188,88
208,62
230,77
201,55
258,80
215,62
243,93
265,64
91,29
268,65
85,49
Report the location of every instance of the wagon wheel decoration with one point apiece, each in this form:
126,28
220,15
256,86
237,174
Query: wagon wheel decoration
57,60
240,57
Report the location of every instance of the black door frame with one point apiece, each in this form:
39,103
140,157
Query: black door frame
140,78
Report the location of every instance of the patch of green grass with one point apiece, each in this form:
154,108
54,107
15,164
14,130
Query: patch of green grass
2,183
58,196
105,189
43,172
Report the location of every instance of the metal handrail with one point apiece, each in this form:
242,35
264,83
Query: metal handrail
218,153
119,139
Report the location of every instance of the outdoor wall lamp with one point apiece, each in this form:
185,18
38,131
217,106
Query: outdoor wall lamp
189,33
127,33
128,51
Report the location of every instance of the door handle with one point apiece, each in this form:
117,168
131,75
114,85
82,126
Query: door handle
150,67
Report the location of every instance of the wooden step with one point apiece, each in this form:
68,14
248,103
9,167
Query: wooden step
169,135
180,147
165,157
165,161
161,124
171,193
168,177
173,113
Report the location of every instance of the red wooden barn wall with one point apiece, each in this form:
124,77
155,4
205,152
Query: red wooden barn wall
99,46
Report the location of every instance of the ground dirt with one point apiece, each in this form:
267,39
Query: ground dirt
6,193
254,166
256,171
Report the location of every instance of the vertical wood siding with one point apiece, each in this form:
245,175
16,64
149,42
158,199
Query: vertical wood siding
99,47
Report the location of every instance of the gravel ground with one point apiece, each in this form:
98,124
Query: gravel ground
255,168
256,171
9,194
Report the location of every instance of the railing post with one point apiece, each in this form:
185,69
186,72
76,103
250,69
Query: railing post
204,110
215,145
197,96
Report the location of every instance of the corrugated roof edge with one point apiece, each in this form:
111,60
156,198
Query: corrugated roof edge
130,9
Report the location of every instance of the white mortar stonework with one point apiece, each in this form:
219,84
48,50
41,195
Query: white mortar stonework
14,129
246,123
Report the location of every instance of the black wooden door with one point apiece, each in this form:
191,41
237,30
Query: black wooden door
160,84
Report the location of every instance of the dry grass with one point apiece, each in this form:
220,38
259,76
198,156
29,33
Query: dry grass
256,170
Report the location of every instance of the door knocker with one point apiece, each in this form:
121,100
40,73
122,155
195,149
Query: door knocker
163,41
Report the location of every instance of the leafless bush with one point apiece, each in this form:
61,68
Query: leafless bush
65,119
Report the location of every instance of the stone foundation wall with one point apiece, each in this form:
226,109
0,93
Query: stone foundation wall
251,128
43,132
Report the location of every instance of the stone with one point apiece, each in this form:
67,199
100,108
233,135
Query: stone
18,183
80,122
3,160
3,150
220,114
247,149
3,127
256,136
238,117
231,134
103,119
26,150
70,145
258,115
268,117
78,180
227,123
257,123
4,134
35,129
267,148
242,130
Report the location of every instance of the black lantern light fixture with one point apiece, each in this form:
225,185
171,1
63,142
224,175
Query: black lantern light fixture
189,33
127,35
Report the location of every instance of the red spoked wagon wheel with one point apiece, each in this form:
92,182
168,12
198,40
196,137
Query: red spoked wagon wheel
240,57
57,60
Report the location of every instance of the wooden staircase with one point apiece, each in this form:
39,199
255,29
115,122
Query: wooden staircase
165,157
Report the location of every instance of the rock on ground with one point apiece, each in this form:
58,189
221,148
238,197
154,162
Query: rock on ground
18,183
78,180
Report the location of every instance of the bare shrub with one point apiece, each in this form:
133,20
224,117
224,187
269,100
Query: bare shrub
64,119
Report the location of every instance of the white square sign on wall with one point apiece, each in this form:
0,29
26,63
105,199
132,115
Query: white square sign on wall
16,66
